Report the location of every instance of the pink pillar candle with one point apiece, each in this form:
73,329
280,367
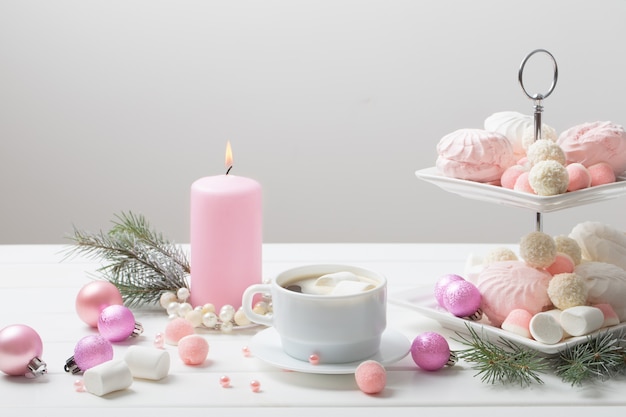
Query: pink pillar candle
226,239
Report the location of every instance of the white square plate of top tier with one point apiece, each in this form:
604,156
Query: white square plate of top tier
504,196
422,299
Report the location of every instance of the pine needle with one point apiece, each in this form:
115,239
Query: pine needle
503,363
598,358
140,262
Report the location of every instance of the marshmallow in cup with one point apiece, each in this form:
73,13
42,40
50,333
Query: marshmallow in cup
337,312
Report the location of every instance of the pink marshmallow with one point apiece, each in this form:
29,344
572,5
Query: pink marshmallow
518,322
579,177
370,377
601,173
510,175
522,184
610,316
563,263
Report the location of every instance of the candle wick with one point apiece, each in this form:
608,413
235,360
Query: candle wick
228,170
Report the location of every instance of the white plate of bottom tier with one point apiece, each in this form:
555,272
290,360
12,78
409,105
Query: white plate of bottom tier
423,300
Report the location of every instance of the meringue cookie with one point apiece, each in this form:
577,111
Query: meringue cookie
474,155
518,128
600,242
591,143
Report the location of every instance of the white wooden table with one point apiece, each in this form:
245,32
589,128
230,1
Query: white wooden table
39,287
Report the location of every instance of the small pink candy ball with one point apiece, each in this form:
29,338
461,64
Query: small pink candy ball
462,298
95,297
563,263
176,330
579,177
442,283
371,377
522,184
601,173
510,175
116,323
193,349
430,351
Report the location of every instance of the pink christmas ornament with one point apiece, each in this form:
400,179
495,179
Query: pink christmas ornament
430,351
90,351
117,323
95,297
442,283
463,299
20,351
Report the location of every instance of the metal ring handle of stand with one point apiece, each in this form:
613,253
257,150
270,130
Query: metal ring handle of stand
538,106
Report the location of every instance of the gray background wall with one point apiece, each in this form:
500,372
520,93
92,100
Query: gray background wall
119,105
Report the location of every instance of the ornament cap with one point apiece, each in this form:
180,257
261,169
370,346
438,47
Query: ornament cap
71,366
36,368
137,330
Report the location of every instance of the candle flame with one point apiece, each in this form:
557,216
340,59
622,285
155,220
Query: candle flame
228,161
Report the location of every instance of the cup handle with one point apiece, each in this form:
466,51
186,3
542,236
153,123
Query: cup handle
246,304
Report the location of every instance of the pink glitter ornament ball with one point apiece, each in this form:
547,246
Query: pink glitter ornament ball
95,297
371,377
20,347
442,283
193,349
430,351
90,351
463,299
116,323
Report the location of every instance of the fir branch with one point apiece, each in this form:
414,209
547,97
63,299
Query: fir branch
598,358
140,262
501,363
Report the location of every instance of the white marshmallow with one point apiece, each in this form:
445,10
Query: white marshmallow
351,287
581,320
557,315
330,280
147,363
545,328
107,377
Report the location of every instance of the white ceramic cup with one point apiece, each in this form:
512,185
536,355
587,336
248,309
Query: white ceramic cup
337,328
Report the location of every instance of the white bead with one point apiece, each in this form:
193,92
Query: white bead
184,309
241,319
182,294
166,298
227,327
172,308
227,313
208,308
194,317
209,319
260,308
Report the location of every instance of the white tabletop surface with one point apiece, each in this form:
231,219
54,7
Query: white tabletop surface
39,288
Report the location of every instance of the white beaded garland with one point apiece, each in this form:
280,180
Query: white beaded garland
172,308
183,294
228,318
184,308
167,298
209,319
227,313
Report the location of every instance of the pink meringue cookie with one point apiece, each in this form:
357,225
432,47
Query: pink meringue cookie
474,155
509,285
591,143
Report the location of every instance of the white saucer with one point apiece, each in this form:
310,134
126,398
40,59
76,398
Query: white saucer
266,346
